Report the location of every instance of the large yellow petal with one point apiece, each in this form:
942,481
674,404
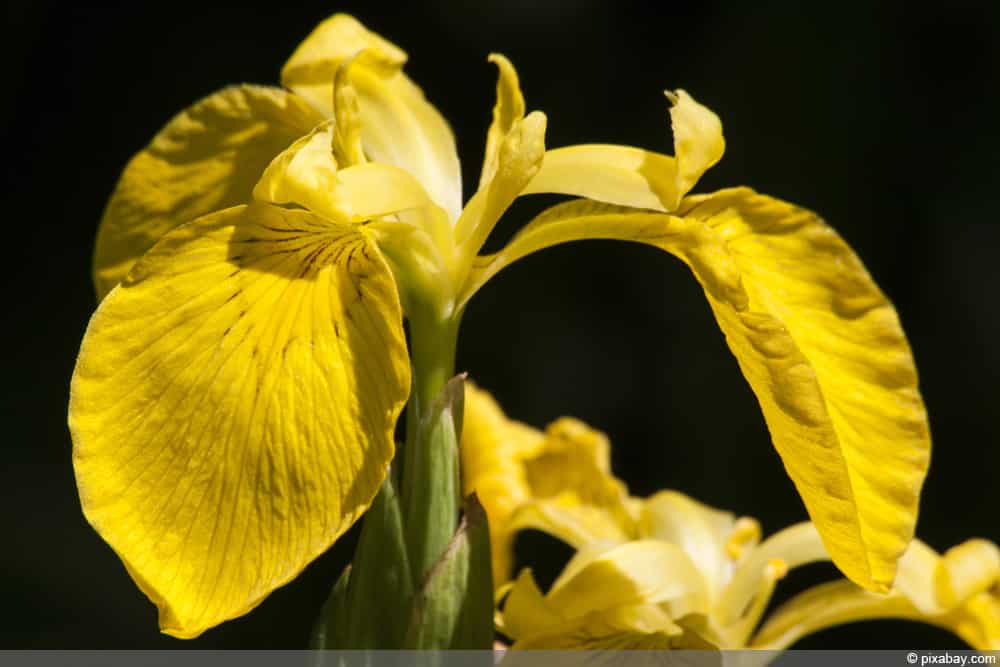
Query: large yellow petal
818,342
559,482
207,158
632,176
233,406
398,125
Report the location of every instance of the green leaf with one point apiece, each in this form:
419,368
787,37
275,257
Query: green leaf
453,607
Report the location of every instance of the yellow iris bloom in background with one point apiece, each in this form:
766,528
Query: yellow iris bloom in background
669,572
234,401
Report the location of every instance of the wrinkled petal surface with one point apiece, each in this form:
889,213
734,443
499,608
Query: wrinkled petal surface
820,345
233,406
206,159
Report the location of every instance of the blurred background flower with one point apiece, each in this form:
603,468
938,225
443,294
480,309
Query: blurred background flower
882,119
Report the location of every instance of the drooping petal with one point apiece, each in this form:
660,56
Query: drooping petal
818,342
398,125
634,177
559,482
233,406
205,159
975,616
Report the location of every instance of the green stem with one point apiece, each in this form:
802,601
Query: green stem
430,467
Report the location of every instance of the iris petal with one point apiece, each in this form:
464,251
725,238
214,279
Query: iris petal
233,406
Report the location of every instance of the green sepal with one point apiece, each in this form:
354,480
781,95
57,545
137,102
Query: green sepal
368,608
431,484
453,607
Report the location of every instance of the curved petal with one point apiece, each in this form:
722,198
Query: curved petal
632,176
518,159
205,159
952,591
818,342
508,110
535,623
233,406
701,531
559,482
398,125
626,597
307,174
977,622
638,572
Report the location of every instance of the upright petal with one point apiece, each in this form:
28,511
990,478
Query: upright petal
508,110
632,176
816,339
233,406
398,125
207,158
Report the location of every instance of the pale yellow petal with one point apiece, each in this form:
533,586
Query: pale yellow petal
398,125
792,547
620,597
614,174
634,177
937,584
639,572
637,628
518,159
977,622
233,406
508,110
307,174
207,158
701,531
525,610
819,343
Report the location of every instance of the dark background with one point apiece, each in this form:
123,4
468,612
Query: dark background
881,118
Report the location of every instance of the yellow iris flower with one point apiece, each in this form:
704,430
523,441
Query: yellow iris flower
669,572
233,405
